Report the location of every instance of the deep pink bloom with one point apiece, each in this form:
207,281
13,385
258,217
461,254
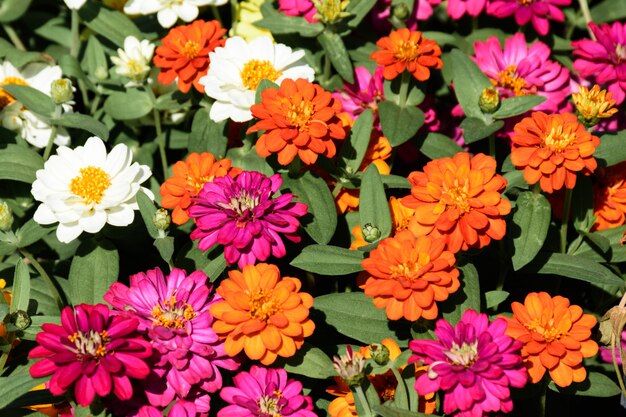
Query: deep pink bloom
179,409
474,363
537,11
520,70
174,313
604,59
265,392
303,8
242,215
94,350
605,353
457,8
422,10
366,93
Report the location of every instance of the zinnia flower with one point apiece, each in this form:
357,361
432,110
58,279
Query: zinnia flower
407,50
299,118
551,149
556,337
262,314
520,70
184,54
460,199
407,274
133,61
475,363
93,350
173,312
265,392
304,8
167,11
189,178
85,188
241,214
536,11
602,59
610,197
593,104
366,92
247,13
458,8
238,68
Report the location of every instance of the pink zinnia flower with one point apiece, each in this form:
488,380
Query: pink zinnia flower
174,313
303,8
179,409
94,350
457,8
537,11
366,92
241,214
265,392
605,353
520,70
422,10
605,58
474,363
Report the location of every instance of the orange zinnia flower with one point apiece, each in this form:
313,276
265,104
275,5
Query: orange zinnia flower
459,198
407,50
185,53
407,274
556,337
610,197
189,178
262,314
299,118
552,148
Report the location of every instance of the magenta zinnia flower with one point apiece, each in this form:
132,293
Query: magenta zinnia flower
265,392
366,92
304,8
179,409
457,8
604,59
474,363
520,70
422,10
94,350
537,11
174,313
241,214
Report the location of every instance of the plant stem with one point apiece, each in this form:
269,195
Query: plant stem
565,219
618,371
51,285
492,146
361,398
404,88
337,188
53,133
95,103
216,14
584,7
75,41
327,68
15,39
160,140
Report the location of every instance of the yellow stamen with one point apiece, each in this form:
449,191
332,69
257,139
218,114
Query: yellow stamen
91,184
255,70
191,49
558,139
511,81
6,98
263,305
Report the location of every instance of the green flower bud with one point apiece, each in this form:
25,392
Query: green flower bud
102,73
6,217
401,11
489,100
379,353
371,233
20,319
161,219
61,91
331,11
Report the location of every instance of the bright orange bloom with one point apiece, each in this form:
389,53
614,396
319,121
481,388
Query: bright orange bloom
556,337
552,148
610,197
459,198
400,217
262,314
407,50
184,53
299,118
407,274
189,178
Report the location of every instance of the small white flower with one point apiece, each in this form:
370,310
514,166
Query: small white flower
14,116
85,188
75,4
168,11
133,61
237,69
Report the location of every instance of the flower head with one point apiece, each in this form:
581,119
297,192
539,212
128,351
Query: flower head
551,149
539,12
458,8
242,215
188,180
407,50
93,350
262,314
167,11
610,197
459,198
304,8
299,118
382,11
238,68
475,363
366,92
593,105
133,62
247,13
350,367
265,392
407,275
184,54
556,337
331,11
85,188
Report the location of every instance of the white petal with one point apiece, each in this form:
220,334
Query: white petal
120,216
187,12
43,215
94,222
167,18
66,232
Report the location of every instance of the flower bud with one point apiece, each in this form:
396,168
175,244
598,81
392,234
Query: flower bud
489,100
612,323
61,91
6,217
331,11
350,367
101,73
161,219
379,353
371,233
20,320
401,11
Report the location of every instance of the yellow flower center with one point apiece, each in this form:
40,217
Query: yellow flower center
191,49
593,104
407,51
464,355
255,70
300,115
271,405
92,344
455,196
263,305
91,184
511,81
198,183
6,98
172,314
410,270
558,139
547,330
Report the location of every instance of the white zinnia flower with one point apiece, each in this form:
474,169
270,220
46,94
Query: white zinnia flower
85,188
14,116
75,4
168,11
133,61
238,67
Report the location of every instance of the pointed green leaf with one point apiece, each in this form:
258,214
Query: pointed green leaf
280,24
33,99
596,385
529,227
18,383
494,298
328,260
128,105
467,297
353,150
147,210
336,50
94,268
437,146
611,150
84,122
165,246
469,82
514,106
19,164
207,135
111,24
399,124
21,288
475,129
373,204
589,250
11,10
309,361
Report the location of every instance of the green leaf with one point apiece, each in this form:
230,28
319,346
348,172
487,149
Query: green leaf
94,268
191,258
11,10
37,321
373,204
18,383
588,250
608,11
529,227
388,410
399,124
33,99
353,150
207,135
494,298
354,315
514,106
249,160
515,179
358,10
55,30
84,122
321,221
596,385
280,24
599,241
147,210
328,260
264,84
469,82
111,24
611,150
71,68
128,105
31,232
395,181
21,288
437,146
467,297
165,246
475,129
19,164
95,60
336,50
309,361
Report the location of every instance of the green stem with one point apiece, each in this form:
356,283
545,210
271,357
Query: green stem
361,398
216,14
337,188
160,140
95,103
15,39
53,133
618,371
327,68
54,291
492,146
565,219
75,40
404,88
584,7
